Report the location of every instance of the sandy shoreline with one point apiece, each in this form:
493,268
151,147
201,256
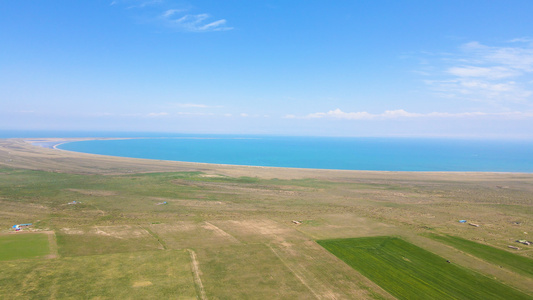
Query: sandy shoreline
22,153
52,143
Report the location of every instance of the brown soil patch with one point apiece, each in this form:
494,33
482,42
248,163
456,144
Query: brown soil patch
259,230
261,226
175,227
97,193
120,231
142,283
72,231
189,203
211,176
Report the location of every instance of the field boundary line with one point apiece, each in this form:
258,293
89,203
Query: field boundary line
98,210
155,236
302,280
221,232
52,244
196,272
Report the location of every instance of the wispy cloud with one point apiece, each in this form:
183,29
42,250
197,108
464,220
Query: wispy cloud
170,12
181,113
161,12
194,105
192,22
496,74
128,115
402,114
152,114
131,4
159,114
145,3
521,40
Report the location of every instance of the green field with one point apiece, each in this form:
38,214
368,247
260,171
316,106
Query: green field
409,272
18,246
497,256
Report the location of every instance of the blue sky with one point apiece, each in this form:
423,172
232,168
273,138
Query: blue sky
327,68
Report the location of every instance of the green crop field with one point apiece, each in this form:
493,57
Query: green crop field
409,272
17,246
497,256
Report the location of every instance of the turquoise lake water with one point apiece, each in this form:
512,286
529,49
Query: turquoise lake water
379,154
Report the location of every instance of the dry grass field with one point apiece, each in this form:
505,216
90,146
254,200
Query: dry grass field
227,232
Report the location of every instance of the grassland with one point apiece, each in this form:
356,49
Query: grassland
497,256
139,275
226,232
410,272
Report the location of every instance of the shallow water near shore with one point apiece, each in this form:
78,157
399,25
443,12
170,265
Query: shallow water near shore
376,154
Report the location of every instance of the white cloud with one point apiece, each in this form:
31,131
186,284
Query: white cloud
339,114
494,74
104,114
171,12
482,90
150,2
137,4
160,114
192,105
521,40
214,25
483,72
399,113
193,23
362,115
159,12
402,114
194,114
244,115
517,58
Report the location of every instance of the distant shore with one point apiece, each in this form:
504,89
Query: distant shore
53,143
